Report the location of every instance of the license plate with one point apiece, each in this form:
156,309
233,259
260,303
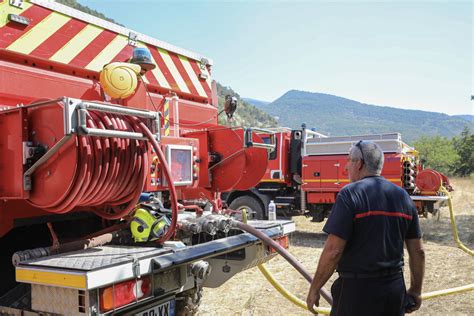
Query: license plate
163,309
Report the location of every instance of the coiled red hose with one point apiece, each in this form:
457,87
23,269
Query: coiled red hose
110,172
127,169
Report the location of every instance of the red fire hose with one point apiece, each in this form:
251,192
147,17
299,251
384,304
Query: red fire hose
111,172
174,202
284,253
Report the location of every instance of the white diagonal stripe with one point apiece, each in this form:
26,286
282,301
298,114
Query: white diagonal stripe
39,33
189,69
173,70
77,44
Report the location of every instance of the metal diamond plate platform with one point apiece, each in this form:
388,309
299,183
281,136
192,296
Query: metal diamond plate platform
95,258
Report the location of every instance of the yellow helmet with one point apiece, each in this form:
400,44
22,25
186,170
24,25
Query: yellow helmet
147,225
119,80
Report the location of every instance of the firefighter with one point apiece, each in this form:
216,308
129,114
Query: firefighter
368,225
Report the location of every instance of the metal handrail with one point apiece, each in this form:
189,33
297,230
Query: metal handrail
83,129
248,138
78,109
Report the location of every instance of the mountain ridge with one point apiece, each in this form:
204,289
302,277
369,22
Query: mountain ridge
256,102
467,117
335,115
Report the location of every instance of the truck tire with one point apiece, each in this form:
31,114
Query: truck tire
320,212
253,207
187,303
317,216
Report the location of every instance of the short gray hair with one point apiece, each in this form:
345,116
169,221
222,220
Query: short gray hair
370,153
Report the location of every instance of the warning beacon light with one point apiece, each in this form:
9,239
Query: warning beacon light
142,57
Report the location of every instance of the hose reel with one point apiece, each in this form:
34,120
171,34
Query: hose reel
99,163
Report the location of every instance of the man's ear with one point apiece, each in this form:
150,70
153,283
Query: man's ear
360,164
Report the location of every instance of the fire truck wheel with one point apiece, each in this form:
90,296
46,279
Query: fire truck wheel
187,303
253,207
318,216
320,212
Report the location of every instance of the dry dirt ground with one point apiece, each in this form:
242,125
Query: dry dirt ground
248,293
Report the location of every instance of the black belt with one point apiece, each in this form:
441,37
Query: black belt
370,275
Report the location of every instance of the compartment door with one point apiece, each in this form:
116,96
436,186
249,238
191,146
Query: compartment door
330,174
311,173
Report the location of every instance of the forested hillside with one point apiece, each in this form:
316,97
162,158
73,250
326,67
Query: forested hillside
246,114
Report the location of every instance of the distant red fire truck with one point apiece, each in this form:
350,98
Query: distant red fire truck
307,170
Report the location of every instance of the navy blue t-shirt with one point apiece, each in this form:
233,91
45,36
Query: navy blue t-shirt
375,217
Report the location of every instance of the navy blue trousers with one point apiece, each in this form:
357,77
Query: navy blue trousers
370,296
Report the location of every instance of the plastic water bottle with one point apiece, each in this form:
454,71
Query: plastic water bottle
272,211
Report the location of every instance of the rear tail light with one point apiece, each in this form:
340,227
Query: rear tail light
283,241
124,293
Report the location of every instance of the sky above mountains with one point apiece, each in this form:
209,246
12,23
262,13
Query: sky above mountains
406,54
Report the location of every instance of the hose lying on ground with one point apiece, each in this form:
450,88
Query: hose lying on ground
453,224
302,304
280,288
283,252
292,298
454,290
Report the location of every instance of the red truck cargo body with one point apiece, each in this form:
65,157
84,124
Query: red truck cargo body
324,176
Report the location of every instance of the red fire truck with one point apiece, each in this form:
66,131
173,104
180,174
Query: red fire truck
111,164
307,170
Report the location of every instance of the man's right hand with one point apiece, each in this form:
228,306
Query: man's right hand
313,300
417,270
417,300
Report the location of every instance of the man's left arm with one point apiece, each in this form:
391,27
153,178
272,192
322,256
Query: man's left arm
330,256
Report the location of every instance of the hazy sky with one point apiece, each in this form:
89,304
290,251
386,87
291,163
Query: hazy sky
406,54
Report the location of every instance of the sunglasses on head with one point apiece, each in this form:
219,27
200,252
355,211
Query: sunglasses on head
359,145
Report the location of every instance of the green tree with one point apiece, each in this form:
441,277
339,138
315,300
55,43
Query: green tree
464,146
438,153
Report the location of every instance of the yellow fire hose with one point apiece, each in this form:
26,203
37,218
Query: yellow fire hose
453,224
288,295
454,290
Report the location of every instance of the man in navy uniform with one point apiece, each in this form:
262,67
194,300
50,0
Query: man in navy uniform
368,225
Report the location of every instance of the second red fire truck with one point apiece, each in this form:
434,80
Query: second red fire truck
307,170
